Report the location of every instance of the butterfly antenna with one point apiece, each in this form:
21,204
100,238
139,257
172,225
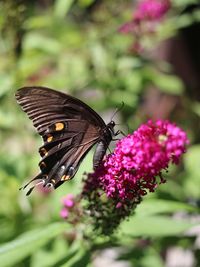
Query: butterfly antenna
117,110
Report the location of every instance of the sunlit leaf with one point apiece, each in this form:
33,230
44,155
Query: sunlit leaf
62,7
158,206
192,166
6,82
191,159
81,258
50,257
26,244
153,226
169,84
41,42
196,108
85,2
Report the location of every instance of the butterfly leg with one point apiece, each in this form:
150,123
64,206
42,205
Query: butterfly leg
119,132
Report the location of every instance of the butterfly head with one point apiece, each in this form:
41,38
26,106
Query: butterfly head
111,126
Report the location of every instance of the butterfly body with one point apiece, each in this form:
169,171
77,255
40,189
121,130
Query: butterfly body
103,144
69,129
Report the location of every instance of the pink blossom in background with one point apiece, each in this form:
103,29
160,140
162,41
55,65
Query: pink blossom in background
64,213
151,9
145,16
128,27
138,160
68,201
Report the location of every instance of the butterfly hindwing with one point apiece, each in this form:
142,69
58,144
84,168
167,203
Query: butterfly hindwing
69,129
66,147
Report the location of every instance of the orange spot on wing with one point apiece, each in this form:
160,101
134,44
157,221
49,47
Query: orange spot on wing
59,126
50,138
65,178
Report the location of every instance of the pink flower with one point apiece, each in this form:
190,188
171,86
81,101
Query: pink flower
138,159
68,201
64,213
146,16
151,9
68,205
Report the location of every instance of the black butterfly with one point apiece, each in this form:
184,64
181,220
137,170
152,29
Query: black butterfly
69,129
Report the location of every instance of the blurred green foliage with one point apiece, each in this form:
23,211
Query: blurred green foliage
76,46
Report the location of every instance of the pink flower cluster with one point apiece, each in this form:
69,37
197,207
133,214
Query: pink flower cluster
151,9
145,19
147,11
138,159
68,204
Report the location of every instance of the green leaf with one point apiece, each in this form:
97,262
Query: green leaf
7,119
183,3
196,108
156,206
62,7
156,226
26,244
85,3
6,82
169,84
151,258
191,159
45,258
38,22
36,41
81,258
99,58
192,166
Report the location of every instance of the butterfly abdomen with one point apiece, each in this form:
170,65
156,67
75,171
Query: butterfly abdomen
99,153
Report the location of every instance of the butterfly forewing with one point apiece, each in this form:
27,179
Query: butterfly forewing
45,106
69,129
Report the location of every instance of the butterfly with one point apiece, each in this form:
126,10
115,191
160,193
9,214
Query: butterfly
69,129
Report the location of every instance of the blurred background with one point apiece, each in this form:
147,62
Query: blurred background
99,52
